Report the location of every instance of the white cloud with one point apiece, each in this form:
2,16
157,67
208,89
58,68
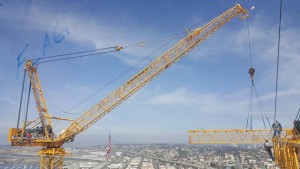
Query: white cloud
236,104
204,102
180,96
90,32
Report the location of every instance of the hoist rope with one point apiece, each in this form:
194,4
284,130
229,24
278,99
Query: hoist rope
170,38
49,100
297,118
74,57
249,44
87,53
143,43
250,110
118,77
25,97
21,99
74,53
278,52
58,58
251,124
261,105
252,76
84,52
27,106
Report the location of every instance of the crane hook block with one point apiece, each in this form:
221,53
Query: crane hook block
118,48
251,72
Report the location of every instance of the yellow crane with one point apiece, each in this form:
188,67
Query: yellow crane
285,148
52,154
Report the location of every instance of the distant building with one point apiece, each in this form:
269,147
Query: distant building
118,154
87,165
98,153
134,163
115,166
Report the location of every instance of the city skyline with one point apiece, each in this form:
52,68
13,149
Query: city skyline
149,157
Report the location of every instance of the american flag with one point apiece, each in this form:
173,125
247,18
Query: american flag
108,147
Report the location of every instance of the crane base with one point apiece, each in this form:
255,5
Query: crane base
51,158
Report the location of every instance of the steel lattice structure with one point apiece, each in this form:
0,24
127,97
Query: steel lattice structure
52,155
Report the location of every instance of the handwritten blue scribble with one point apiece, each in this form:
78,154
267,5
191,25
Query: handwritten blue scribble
35,62
46,43
57,38
21,58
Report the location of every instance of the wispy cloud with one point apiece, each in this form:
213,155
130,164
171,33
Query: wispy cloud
92,32
212,104
204,102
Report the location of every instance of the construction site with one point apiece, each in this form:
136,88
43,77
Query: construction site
150,85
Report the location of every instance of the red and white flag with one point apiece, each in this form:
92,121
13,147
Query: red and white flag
108,147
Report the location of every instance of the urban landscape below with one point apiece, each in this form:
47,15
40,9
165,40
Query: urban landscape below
147,156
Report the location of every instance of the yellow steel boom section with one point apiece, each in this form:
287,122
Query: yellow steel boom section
39,97
233,136
150,72
286,152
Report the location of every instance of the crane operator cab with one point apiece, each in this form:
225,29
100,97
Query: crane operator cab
38,132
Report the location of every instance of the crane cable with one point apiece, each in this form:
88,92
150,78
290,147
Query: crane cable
74,57
55,106
21,99
73,53
251,73
261,107
27,106
112,48
278,51
105,50
25,98
250,110
251,93
116,48
249,44
170,38
118,77
253,88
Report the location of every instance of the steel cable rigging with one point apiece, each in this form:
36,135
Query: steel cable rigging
79,54
99,51
86,53
118,77
143,43
277,68
253,88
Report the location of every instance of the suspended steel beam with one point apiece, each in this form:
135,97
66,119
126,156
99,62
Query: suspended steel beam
232,136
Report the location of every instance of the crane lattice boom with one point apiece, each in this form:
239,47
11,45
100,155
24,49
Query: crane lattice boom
52,155
150,72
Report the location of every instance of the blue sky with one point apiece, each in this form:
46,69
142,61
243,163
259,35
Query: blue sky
207,89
